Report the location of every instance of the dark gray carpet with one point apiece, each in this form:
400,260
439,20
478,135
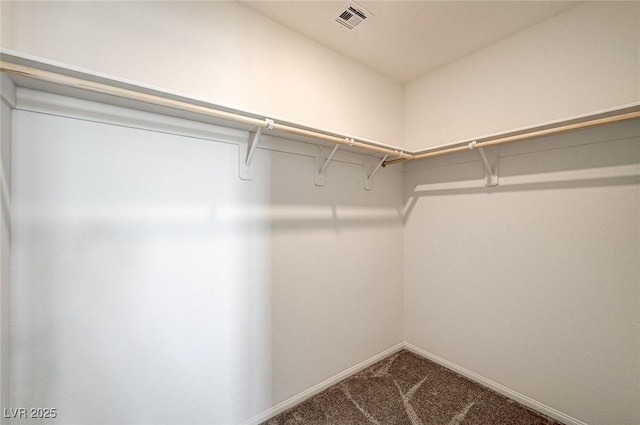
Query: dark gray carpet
408,389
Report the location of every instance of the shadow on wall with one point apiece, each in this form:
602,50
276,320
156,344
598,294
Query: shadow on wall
328,217
598,157
130,301
151,285
533,284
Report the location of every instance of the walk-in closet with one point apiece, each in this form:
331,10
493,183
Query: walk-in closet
320,212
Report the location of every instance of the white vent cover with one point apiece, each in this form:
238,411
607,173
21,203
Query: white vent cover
352,15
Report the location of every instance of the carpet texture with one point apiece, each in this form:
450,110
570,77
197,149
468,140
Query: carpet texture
408,389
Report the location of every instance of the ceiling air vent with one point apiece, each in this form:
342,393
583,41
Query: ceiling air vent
352,15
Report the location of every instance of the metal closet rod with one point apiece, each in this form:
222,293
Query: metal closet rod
79,83
400,156
523,136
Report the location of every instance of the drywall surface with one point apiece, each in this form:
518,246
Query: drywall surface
152,285
222,52
6,24
5,235
534,284
584,60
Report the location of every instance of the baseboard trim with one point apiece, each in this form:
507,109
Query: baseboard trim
514,395
507,392
299,398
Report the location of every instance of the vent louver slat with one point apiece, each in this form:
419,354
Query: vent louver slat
357,12
346,15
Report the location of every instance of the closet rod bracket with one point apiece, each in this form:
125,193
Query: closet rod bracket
320,166
246,151
253,143
270,123
490,165
368,177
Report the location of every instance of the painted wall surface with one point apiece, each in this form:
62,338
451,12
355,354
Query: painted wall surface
584,60
6,24
5,236
221,52
534,284
152,285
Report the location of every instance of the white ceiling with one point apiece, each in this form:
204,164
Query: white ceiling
407,39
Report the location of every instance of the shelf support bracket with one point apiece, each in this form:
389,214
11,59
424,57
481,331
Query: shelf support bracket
246,151
320,169
490,165
252,146
368,178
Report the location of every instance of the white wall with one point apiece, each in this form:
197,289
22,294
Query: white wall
152,285
7,99
581,61
534,284
221,52
6,24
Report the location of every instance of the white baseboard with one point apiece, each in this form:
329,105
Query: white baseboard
507,392
522,399
299,398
